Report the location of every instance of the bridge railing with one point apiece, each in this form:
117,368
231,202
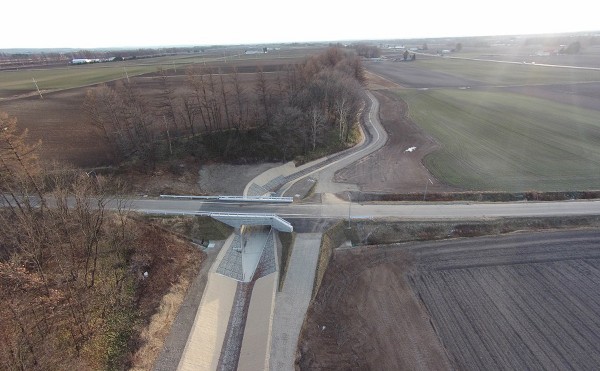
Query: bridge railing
276,199
239,219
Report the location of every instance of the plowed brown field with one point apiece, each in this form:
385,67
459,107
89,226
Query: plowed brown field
525,301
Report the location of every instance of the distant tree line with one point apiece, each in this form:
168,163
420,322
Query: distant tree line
368,51
274,116
573,44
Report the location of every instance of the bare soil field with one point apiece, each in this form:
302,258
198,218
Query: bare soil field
413,75
523,301
60,122
366,317
431,72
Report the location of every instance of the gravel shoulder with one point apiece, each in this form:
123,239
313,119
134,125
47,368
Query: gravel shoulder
226,179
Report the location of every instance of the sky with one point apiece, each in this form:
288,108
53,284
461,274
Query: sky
133,23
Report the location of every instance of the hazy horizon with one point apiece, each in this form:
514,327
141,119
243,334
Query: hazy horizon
67,24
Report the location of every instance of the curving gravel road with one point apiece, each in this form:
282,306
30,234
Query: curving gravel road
375,138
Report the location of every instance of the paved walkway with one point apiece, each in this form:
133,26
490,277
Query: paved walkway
255,351
206,337
292,302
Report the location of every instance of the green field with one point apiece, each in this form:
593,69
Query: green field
508,142
15,82
508,73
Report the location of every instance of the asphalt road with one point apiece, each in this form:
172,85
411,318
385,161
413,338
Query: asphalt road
424,211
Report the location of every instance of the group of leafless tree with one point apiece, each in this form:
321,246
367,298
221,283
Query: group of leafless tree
273,115
368,51
65,281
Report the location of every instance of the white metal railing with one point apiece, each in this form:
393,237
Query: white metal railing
185,197
234,198
257,199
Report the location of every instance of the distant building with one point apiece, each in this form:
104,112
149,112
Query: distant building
92,60
81,61
85,60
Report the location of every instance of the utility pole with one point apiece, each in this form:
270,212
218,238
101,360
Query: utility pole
349,208
426,184
168,135
37,87
126,75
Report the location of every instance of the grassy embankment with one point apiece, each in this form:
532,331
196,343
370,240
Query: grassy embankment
384,232
332,239
195,228
508,142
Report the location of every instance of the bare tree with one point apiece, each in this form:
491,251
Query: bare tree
347,104
199,94
285,130
213,103
239,98
264,94
18,163
137,114
291,80
167,106
189,113
62,279
93,106
225,94
316,124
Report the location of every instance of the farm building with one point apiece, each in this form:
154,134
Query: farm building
84,60
91,60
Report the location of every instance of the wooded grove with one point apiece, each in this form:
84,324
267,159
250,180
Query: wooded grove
277,115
